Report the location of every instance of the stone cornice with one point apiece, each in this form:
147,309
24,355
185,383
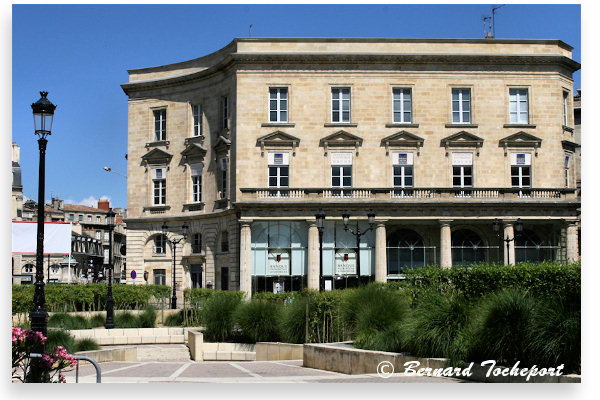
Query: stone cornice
356,61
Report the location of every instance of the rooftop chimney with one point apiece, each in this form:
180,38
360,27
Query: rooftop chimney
104,204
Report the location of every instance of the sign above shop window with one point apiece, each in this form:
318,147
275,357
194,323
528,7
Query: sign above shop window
278,262
279,158
341,158
345,262
462,158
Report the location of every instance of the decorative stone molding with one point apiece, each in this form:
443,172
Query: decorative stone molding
341,139
521,139
277,139
402,139
462,139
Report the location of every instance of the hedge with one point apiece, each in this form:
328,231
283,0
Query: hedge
87,297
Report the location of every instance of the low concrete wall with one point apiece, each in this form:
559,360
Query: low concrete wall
205,351
109,337
330,357
273,351
105,355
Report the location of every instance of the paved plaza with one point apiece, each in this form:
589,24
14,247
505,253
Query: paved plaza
230,372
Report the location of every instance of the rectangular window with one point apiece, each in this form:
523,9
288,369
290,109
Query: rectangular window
224,278
278,105
567,166
225,112
160,277
89,218
340,105
160,192
565,108
518,107
160,125
71,217
159,244
98,234
97,219
106,236
461,106
341,177
196,243
197,117
80,218
196,188
403,174
279,173
402,99
462,173
223,166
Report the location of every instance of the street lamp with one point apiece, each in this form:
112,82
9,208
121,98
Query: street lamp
174,243
358,234
320,216
43,114
109,169
110,222
507,240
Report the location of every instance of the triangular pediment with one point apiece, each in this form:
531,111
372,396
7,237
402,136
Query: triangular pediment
277,138
157,156
341,138
222,144
521,138
462,138
194,150
402,138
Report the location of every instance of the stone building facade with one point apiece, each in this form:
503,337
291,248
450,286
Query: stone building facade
440,138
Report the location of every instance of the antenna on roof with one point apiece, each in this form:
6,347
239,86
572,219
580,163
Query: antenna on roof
250,31
493,20
487,32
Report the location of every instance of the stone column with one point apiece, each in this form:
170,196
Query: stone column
445,244
509,250
380,252
246,258
572,242
313,255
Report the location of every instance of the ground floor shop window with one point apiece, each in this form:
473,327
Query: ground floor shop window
406,250
468,248
530,248
279,284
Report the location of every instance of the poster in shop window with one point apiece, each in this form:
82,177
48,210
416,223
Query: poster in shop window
278,262
345,262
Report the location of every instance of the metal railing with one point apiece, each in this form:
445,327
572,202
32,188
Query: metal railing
78,357
396,194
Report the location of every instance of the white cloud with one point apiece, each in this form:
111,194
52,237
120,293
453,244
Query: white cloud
90,201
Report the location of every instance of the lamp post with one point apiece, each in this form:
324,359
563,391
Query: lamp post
109,169
43,113
358,234
110,222
507,240
174,243
320,216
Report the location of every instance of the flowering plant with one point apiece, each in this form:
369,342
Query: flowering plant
44,369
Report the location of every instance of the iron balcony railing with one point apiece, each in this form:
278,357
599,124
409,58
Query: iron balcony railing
409,194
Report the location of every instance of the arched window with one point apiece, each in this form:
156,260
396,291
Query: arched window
467,247
28,268
405,249
54,269
530,248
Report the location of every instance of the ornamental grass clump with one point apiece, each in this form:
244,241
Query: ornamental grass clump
147,319
372,309
258,321
500,327
68,322
86,344
59,337
293,320
126,319
435,324
555,335
217,316
97,320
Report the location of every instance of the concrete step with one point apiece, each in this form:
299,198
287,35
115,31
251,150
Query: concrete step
174,352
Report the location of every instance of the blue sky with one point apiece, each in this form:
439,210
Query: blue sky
80,54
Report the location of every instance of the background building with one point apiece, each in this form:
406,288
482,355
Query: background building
439,137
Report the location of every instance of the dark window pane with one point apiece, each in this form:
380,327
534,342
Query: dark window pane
408,181
335,181
284,181
347,170
347,181
273,182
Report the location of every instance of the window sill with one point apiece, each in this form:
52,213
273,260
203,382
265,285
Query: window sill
340,125
222,203
456,125
568,129
278,124
158,143
401,125
519,126
193,206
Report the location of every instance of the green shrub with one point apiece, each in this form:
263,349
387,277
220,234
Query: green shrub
174,319
59,337
370,310
68,322
86,344
435,324
217,316
126,319
280,298
293,320
389,339
97,320
258,321
147,319
500,327
555,335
